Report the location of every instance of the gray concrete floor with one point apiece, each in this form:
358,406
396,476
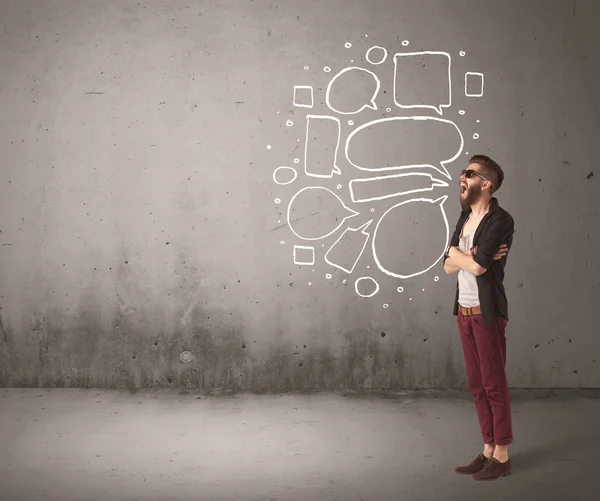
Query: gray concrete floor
85,444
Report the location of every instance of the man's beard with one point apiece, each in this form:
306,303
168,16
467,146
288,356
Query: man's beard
471,196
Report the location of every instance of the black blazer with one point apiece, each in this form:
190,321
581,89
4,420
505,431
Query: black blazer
496,228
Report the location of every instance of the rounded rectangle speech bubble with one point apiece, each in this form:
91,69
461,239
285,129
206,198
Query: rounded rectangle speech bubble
423,80
403,143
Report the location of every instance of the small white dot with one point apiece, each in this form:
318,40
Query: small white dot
344,281
461,112
306,67
476,136
278,200
309,283
313,271
268,146
351,60
348,45
327,69
282,242
462,52
372,210
279,220
350,122
405,42
289,123
296,160
328,276
400,289
423,290
388,109
477,121
366,36
339,186
436,279
410,298
385,305
368,266
466,152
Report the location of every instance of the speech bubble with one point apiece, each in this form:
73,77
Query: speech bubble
316,212
347,250
423,80
321,146
476,79
284,175
403,143
372,284
411,237
376,54
395,185
356,84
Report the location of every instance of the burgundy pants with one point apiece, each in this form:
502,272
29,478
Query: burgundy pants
485,359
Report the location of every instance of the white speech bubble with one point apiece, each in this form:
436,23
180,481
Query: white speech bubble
441,168
439,202
340,221
394,185
382,56
346,261
478,78
304,255
324,164
437,108
371,105
361,279
279,173
306,100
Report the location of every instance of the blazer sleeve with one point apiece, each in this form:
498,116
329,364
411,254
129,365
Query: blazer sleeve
499,232
455,237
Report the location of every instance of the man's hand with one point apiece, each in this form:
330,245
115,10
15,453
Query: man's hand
502,251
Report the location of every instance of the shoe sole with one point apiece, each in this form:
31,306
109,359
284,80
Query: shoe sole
503,475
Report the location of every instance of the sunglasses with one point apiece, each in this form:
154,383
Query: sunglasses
469,173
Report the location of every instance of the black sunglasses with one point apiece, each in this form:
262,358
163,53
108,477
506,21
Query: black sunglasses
469,173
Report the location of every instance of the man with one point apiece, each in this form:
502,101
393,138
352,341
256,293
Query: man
477,251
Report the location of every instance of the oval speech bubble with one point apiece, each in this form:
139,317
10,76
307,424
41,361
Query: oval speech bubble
316,201
425,221
353,83
403,143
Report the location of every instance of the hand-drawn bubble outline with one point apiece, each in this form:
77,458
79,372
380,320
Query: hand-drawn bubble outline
438,109
359,279
345,208
286,168
423,118
467,74
335,169
363,231
385,54
297,259
439,202
371,105
434,183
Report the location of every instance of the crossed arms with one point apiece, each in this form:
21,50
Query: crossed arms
464,260
491,248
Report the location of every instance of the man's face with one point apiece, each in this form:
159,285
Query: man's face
470,189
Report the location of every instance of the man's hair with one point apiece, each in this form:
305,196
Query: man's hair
490,169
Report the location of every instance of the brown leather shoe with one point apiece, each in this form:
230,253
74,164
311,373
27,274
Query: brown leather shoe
476,465
493,469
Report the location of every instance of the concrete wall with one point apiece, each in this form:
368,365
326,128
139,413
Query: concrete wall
137,202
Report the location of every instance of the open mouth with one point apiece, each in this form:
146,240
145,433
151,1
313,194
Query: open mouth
463,188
